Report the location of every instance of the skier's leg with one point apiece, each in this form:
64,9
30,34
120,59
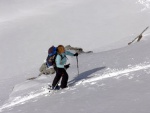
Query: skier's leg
57,78
64,79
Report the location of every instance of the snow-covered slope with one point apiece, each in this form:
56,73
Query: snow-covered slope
113,81
28,28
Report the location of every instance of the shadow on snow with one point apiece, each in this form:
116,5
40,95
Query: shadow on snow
85,75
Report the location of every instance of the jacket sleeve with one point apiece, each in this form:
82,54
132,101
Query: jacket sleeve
69,53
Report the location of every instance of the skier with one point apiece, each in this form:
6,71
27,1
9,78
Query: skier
60,61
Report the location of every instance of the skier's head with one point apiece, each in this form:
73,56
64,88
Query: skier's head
60,49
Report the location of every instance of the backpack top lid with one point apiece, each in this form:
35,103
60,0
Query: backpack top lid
52,50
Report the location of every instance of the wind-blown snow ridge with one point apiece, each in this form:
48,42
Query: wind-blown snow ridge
103,76
116,73
22,100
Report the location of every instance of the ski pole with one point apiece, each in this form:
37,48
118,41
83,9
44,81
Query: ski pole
77,65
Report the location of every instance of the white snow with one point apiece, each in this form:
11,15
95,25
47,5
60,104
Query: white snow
113,79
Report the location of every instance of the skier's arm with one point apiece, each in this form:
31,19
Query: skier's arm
69,53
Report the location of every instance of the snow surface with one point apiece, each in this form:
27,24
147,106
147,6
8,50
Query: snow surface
113,79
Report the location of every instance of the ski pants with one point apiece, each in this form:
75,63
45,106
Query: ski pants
61,72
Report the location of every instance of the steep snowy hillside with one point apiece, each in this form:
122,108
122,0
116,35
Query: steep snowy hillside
114,81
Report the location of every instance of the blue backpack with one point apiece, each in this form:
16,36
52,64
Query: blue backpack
52,53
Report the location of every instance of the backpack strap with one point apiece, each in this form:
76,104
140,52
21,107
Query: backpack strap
54,63
63,57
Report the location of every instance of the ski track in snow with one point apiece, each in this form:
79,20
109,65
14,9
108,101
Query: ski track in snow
22,100
117,73
110,74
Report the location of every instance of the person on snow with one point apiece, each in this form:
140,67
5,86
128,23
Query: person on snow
60,61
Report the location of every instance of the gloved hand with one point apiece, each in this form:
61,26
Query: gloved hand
67,66
76,54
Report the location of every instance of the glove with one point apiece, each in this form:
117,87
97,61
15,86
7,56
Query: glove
76,54
67,66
